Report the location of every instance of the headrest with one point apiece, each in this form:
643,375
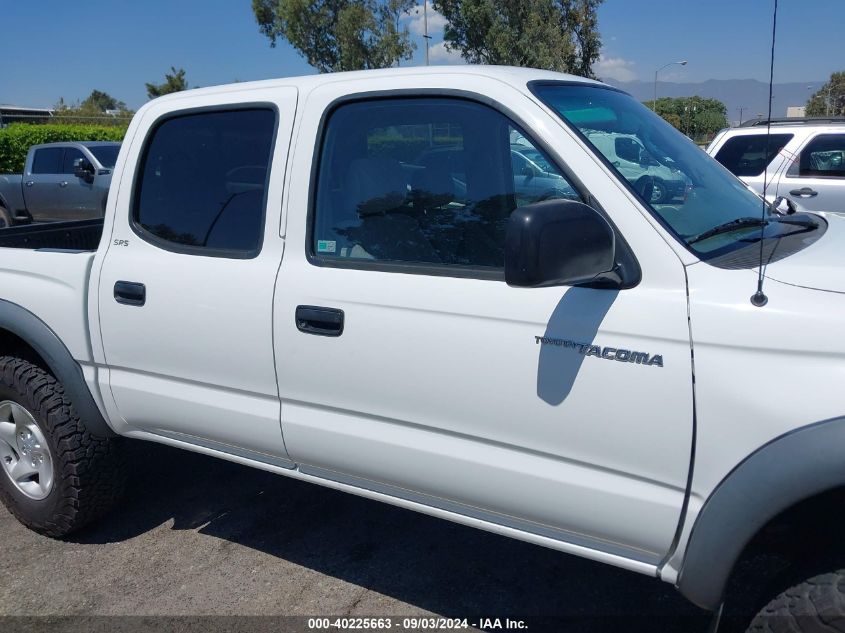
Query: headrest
375,185
433,186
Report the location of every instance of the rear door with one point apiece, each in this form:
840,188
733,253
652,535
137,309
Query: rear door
406,364
186,289
43,184
815,180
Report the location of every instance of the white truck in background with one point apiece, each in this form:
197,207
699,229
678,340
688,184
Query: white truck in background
347,279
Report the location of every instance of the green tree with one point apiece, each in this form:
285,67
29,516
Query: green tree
697,117
92,110
830,99
335,35
102,101
557,35
174,81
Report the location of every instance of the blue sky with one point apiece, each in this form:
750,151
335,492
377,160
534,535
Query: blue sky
51,48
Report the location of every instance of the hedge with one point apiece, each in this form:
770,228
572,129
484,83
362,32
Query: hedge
17,138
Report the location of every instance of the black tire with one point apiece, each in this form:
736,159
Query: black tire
816,605
5,217
88,472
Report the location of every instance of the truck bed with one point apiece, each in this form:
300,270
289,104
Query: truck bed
76,235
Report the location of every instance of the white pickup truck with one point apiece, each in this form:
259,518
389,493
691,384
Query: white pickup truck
346,279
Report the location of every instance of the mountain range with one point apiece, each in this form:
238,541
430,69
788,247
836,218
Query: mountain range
749,94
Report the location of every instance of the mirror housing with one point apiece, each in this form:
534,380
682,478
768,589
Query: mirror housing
82,168
559,243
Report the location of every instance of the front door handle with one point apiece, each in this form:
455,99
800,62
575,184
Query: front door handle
804,192
63,183
130,293
29,183
320,321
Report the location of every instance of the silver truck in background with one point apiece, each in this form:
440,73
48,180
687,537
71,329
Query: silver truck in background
61,181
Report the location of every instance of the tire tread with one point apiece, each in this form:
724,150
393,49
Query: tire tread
89,474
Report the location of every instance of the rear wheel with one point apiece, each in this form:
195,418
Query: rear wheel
57,477
816,605
5,217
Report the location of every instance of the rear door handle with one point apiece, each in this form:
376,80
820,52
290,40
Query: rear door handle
320,321
29,183
804,192
130,293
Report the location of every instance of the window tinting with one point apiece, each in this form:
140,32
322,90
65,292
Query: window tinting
106,154
203,180
47,160
823,156
71,154
749,154
429,180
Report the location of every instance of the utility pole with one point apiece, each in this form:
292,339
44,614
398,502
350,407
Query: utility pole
741,108
827,103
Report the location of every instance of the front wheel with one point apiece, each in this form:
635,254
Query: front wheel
57,477
816,605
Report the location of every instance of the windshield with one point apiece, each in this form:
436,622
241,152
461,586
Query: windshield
106,154
686,189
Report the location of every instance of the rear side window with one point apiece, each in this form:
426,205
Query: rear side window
750,154
823,156
47,160
427,181
202,182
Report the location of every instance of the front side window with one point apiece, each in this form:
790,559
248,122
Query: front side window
47,160
425,181
105,154
824,156
750,154
202,182
71,154
701,203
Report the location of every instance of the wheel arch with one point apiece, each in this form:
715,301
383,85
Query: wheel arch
792,468
25,333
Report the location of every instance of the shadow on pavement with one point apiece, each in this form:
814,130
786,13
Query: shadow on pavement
438,566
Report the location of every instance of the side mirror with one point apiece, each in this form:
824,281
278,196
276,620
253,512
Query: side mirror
558,243
82,168
784,205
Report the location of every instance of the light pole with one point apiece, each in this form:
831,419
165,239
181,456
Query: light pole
741,108
654,103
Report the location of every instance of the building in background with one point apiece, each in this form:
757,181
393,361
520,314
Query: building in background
796,112
18,114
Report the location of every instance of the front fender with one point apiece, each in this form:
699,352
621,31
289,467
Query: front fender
793,467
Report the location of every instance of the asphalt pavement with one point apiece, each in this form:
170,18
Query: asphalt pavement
201,536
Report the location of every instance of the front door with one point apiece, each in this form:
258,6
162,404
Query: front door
78,199
407,366
186,290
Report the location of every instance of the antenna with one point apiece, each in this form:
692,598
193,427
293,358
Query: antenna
759,299
426,36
